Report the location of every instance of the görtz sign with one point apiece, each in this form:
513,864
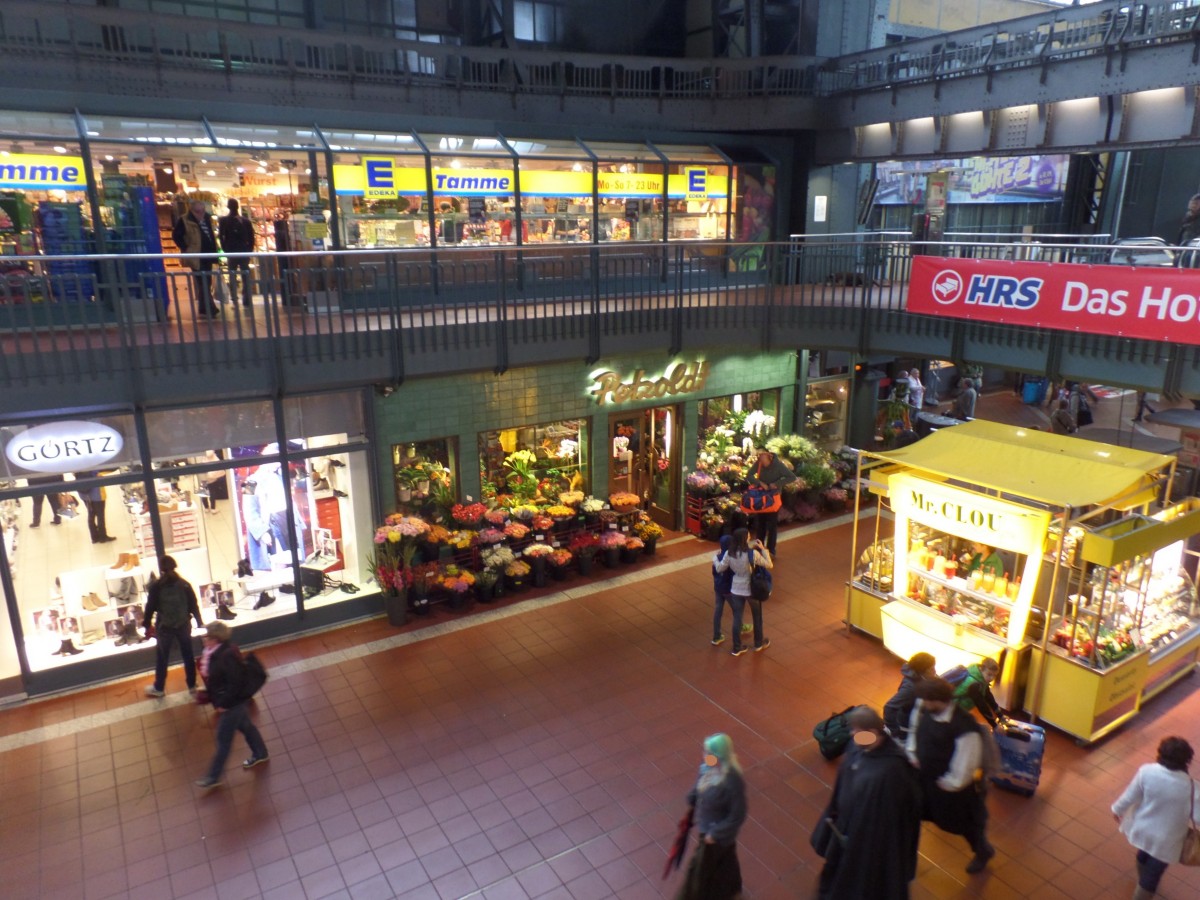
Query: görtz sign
1159,304
61,447
681,378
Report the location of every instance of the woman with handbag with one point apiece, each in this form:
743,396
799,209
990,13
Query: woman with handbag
741,558
717,804
1157,812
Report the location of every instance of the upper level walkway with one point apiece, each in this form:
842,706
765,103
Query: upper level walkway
65,57
103,330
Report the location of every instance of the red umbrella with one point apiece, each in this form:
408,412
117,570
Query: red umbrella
675,857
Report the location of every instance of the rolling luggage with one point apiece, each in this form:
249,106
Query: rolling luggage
1021,749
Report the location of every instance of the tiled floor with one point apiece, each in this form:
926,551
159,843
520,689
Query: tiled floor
540,749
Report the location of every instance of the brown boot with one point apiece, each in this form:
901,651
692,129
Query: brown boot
131,561
121,560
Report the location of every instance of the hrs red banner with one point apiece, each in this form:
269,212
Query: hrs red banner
1134,302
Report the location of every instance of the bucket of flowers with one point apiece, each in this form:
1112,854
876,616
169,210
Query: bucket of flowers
542,524
516,533
623,501
571,498
701,484
584,546
424,580
485,584
436,538
559,564
489,537
459,585
711,524
631,550
561,515
649,531
590,507
835,499
537,555
467,515
497,518
517,574
611,543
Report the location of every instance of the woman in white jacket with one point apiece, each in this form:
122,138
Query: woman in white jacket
741,558
1154,811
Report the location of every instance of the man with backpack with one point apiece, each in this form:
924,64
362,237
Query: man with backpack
236,232
173,601
973,688
230,681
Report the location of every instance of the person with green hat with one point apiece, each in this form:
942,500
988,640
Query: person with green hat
717,802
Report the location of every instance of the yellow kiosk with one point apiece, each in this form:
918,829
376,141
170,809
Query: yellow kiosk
1046,552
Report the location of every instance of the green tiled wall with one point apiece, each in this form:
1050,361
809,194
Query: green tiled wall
463,405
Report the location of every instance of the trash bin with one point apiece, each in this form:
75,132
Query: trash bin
1034,391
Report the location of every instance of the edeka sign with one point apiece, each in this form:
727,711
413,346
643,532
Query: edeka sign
681,378
1137,302
29,171
966,514
61,447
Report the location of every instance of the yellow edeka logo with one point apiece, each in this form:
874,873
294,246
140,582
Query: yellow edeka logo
37,172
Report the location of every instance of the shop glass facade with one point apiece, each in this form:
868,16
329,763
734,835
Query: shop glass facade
547,459
246,526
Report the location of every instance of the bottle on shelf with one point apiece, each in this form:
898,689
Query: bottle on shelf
1000,588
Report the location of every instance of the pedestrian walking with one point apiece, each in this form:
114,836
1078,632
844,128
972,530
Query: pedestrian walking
946,746
898,710
171,606
741,558
1154,812
225,683
722,583
717,804
869,832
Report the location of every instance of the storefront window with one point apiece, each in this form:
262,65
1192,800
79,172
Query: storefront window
631,191
380,182
698,188
421,470
474,188
741,420
535,460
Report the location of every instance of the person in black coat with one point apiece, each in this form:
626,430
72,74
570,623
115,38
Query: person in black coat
876,808
236,232
224,677
898,710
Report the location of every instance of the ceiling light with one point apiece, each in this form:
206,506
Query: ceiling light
455,164
168,170
108,157
283,170
308,171
262,170
60,149
205,161
241,169
211,174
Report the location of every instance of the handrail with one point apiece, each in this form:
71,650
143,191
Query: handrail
103,34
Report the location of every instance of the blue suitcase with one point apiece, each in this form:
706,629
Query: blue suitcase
1021,748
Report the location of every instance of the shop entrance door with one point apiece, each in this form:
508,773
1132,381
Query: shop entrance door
644,459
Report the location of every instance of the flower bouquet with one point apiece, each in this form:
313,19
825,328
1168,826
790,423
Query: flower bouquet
611,543
517,572
632,549
570,498
649,531
623,501
590,507
424,580
542,524
462,540
524,512
435,538
835,499
469,515
538,555
584,546
497,557
559,563
458,584
491,536
521,478
497,517
538,550
516,531
700,483
485,585
711,525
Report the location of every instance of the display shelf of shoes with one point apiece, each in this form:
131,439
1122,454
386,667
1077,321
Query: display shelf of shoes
181,529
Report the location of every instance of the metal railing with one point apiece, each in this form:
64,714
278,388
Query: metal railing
69,317
160,43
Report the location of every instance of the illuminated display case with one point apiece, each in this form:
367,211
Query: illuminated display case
825,407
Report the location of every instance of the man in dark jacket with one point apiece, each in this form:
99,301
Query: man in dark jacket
224,677
171,600
946,746
769,472
194,233
898,710
237,236
876,807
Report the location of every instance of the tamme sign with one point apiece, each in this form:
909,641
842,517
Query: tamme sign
60,447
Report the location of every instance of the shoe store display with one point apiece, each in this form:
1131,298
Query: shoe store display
67,648
131,562
266,598
243,569
121,561
92,602
224,612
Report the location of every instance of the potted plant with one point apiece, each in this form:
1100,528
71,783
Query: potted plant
406,480
611,543
711,525
521,477
649,531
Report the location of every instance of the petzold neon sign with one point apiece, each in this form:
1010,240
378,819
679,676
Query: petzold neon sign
681,378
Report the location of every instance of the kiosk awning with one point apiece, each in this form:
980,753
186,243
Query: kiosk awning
1049,468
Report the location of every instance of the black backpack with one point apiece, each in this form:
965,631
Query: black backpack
761,583
254,675
833,734
173,604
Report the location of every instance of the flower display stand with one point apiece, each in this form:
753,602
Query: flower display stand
693,509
